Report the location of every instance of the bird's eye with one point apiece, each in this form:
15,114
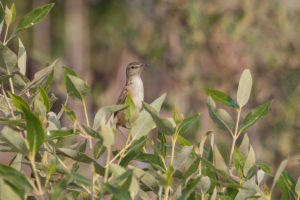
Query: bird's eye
132,67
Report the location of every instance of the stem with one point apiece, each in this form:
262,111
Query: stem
5,35
173,148
234,136
32,161
10,82
231,151
107,164
85,113
8,104
166,194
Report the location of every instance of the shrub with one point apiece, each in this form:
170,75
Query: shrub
175,169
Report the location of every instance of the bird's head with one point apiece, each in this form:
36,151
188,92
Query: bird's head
134,68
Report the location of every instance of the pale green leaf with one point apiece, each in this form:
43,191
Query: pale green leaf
250,161
144,123
22,57
182,156
8,59
218,160
244,89
14,139
279,172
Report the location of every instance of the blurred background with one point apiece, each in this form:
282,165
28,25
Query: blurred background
189,45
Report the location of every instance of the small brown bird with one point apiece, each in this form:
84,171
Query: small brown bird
134,86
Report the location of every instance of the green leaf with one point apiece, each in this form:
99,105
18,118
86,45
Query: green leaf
35,131
2,15
192,169
189,188
187,123
163,124
8,59
219,116
14,139
238,159
248,190
244,147
144,123
154,160
182,141
92,132
265,168
16,162
108,134
106,111
34,17
44,98
221,97
17,122
76,87
244,88
8,192
49,81
218,160
182,156
117,194
39,78
204,184
20,104
133,151
131,106
10,14
145,177
250,161
297,187
254,115
55,134
75,155
22,57
99,149
15,176
81,179
70,114
278,172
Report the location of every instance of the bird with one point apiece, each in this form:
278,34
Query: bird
134,87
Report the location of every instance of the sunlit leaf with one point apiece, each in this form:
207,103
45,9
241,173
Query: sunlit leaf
163,124
106,111
10,14
22,57
250,161
144,123
278,172
219,162
182,156
244,88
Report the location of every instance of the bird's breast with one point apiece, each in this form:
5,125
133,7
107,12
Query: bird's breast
136,91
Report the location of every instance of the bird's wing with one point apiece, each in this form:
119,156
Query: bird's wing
123,95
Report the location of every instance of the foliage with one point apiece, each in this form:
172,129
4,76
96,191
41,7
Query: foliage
173,169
